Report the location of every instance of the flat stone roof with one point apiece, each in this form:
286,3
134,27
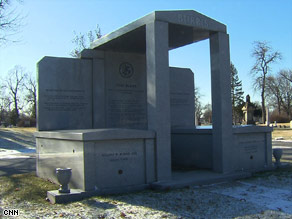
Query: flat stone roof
185,27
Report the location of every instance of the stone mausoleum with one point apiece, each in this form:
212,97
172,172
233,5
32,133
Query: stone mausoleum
123,119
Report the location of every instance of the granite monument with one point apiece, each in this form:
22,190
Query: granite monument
121,118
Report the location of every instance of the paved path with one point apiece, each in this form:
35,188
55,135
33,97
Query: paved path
17,152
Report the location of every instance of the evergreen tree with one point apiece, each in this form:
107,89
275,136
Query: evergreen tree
237,98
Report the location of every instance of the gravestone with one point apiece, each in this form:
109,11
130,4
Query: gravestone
111,93
68,102
248,111
126,105
181,97
64,94
116,114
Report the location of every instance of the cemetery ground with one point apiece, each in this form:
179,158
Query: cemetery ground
265,195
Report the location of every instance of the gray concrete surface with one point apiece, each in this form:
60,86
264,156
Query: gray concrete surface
17,152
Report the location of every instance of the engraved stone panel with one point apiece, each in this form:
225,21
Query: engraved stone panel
182,110
119,163
64,94
252,151
125,90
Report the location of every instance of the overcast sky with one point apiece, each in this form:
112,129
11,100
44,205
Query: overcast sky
50,24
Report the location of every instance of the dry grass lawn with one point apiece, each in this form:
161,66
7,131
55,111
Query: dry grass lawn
286,134
20,129
20,187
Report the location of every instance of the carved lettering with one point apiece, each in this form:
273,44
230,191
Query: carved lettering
192,20
250,149
119,156
180,99
64,100
127,107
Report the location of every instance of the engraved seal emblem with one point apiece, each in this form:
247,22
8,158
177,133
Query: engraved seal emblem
126,70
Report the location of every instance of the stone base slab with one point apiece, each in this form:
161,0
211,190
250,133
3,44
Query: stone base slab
197,178
55,197
179,180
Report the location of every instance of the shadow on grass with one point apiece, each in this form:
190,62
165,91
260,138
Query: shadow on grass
17,166
189,202
179,203
25,187
16,141
97,204
277,172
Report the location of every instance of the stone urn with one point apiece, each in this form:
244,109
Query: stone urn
277,152
64,176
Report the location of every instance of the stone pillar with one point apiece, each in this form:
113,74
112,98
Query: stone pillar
158,100
221,103
98,86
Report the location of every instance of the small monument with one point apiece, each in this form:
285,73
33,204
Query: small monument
248,111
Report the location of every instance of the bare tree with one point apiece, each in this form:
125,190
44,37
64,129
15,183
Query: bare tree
14,83
31,88
10,21
279,90
198,105
82,41
274,92
287,74
264,56
5,102
208,113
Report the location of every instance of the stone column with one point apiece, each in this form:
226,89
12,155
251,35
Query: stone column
158,100
98,86
221,103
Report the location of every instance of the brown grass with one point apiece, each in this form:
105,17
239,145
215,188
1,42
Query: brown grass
286,134
25,187
20,129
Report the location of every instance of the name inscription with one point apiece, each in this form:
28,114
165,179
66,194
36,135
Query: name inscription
192,20
179,99
64,100
250,149
127,106
119,156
